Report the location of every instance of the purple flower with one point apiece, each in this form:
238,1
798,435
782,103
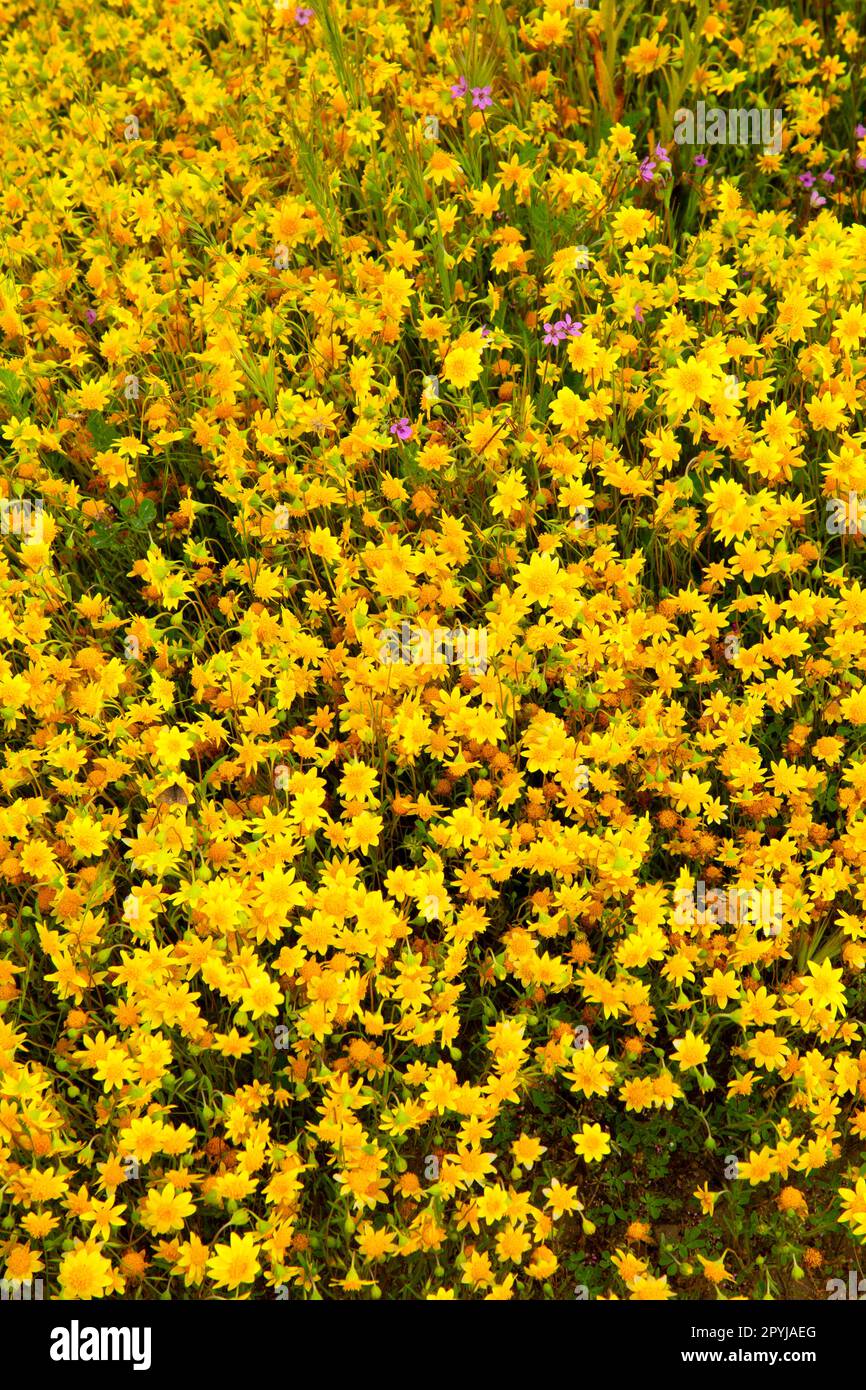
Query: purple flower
303,15
827,177
646,171
860,131
817,201
806,180
481,98
556,333
485,331
401,429
568,328
638,313
860,161
701,160
91,316
459,88
661,152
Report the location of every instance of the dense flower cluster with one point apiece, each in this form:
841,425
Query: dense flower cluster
322,974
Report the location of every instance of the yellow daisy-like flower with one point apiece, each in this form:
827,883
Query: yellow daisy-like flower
592,1143
690,1051
234,1264
165,1210
85,1273
462,367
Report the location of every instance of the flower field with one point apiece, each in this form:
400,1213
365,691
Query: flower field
432,649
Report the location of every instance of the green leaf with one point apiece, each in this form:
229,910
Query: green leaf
12,392
103,434
542,1101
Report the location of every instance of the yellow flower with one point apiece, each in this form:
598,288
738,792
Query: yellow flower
639,1231
571,413
85,1273
690,1051
592,1143
648,1287
792,1199
22,1262
631,224
165,1209
527,1150
542,1263
86,838
707,1199
172,747
714,1270
759,1166
462,367
235,1263
647,55
561,1198
825,989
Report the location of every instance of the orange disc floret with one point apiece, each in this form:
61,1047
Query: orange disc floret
792,1199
